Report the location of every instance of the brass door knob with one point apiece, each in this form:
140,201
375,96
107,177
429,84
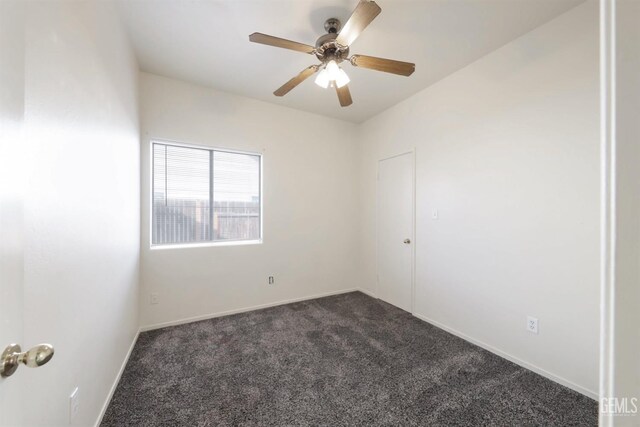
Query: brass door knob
12,357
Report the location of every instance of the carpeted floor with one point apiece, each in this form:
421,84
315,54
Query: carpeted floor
336,361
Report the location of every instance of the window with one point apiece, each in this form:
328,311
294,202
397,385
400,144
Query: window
202,195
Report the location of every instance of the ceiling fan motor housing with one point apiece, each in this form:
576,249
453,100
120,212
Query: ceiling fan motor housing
332,25
326,47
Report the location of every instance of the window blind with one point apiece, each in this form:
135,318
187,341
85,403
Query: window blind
202,195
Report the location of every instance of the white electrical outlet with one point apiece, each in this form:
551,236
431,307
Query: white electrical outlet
532,324
434,214
271,280
74,405
154,298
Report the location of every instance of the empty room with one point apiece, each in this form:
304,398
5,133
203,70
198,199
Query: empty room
319,213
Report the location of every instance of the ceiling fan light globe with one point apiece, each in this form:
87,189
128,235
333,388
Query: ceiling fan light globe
332,70
342,78
323,79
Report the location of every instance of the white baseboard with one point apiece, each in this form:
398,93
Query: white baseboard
117,380
589,393
241,310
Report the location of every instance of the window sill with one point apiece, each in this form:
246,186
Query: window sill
206,244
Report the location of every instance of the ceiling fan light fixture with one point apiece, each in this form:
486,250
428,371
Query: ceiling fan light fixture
323,79
333,70
332,75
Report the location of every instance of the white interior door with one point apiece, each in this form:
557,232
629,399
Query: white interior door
11,300
395,230
11,201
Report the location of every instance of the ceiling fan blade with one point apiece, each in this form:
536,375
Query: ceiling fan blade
365,12
381,64
285,88
278,42
344,96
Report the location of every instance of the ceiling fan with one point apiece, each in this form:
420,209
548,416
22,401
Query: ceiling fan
333,48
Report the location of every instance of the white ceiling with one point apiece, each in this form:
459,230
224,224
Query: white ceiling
206,42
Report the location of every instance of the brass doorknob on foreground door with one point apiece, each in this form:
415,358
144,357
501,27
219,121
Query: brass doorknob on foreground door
407,241
12,357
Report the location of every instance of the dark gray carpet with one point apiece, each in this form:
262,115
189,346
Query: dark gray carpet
342,360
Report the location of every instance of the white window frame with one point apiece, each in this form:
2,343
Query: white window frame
153,246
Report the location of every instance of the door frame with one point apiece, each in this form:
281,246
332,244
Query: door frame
412,152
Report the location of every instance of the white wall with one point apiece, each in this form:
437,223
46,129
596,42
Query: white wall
507,151
82,206
310,204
